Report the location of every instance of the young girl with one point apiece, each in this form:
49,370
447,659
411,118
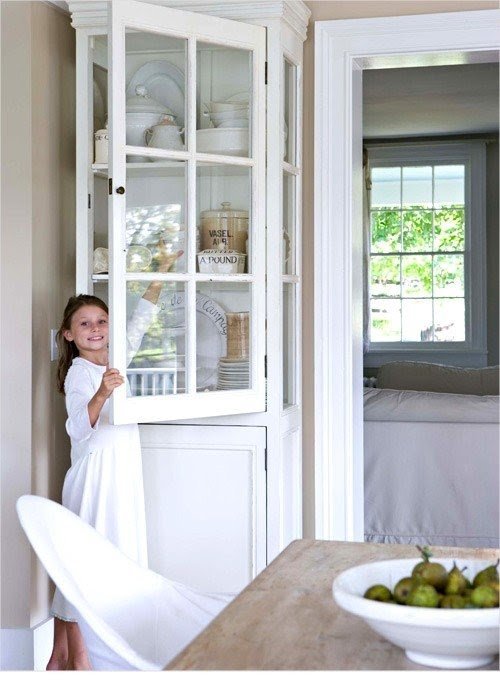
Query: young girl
104,483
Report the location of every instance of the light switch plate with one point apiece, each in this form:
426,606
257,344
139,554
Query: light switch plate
53,345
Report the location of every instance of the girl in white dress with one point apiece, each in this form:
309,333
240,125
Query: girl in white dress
104,484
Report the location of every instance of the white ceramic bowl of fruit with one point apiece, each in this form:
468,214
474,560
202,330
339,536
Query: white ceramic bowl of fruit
454,638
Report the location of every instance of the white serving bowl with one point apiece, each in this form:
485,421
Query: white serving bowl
227,106
439,638
232,123
223,141
241,113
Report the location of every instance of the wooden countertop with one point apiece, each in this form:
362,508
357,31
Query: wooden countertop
286,618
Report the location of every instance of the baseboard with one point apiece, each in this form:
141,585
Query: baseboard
26,649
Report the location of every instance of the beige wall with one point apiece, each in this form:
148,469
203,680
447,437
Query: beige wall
38,238
327,10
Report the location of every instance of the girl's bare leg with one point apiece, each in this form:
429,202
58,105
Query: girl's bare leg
78,659
59,658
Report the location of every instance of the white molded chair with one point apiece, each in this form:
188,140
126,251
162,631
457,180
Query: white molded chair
131,618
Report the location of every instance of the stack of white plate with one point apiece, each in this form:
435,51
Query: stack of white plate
233,374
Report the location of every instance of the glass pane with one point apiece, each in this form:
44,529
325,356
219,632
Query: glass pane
417,231
386,231
417,276
449,319
156,338
289,338
385,320
156,216
417,186
449,185
155,68
223,339
449,276
417,320
449,230
385,276
223,209
224,92
290,113
99,95
386,187
289,223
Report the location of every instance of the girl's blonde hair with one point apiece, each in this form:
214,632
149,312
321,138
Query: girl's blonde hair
67,348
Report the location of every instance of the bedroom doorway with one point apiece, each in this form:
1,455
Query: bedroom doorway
344,49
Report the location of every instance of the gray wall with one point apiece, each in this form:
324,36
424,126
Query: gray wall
37,277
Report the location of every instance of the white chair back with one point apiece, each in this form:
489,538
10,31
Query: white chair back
130,617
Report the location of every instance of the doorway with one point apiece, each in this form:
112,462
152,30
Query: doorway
343,50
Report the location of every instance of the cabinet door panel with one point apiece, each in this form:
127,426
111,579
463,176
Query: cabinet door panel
163,185
205,504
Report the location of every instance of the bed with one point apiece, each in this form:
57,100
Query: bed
431,467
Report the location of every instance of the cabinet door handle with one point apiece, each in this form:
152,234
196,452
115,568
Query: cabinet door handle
120,190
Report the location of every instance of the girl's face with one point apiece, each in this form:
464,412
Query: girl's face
89,330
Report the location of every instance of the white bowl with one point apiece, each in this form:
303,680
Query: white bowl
226,106
241,113
232,123
223,141
439,638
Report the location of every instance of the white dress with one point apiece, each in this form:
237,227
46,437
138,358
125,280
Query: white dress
104,484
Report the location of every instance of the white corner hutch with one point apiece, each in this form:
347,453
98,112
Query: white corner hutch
221,440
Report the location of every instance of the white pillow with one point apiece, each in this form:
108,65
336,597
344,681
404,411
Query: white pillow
439,378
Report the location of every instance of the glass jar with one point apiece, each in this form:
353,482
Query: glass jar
227,226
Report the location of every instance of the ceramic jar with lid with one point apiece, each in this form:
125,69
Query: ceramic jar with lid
227,226
101,139
142,112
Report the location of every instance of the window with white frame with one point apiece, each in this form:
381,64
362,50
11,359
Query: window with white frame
426,261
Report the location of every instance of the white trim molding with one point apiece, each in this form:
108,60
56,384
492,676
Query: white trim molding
343,48
89,13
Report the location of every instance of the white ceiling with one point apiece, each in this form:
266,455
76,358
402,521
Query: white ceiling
431,101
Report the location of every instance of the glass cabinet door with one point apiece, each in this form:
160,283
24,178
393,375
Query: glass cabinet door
186,213
290,262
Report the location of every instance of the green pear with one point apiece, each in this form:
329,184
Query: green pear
487,575
484,597
379,593
456,582
453,602
424,595
402,589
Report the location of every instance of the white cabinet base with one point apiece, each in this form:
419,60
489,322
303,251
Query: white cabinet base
205,491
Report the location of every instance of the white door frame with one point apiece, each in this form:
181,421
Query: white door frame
343,48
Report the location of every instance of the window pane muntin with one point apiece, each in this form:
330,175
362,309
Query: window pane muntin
416,320
386,187
448,275
416,276
385,320
449,229
417,186
385,231
417,231
449,311
385,275
449,185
